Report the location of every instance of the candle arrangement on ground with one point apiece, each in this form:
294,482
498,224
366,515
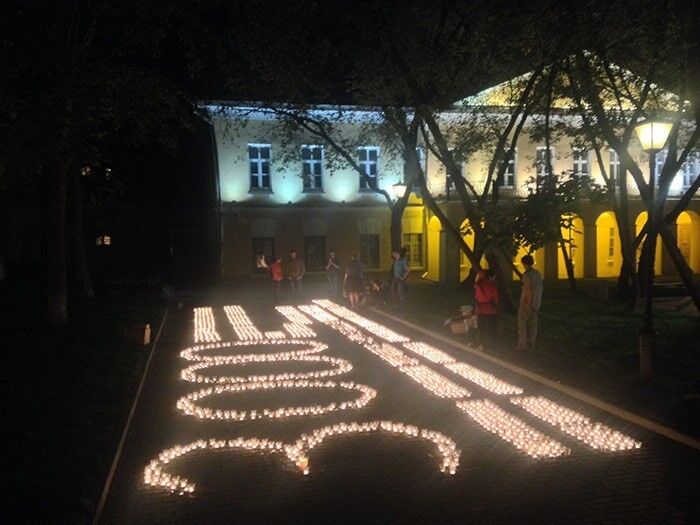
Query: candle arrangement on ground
595,435
297,453
512,429
205,325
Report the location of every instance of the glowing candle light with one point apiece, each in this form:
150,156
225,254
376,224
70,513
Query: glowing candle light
484,379
512,429
188,403
595,435
429,352
434,382
205,325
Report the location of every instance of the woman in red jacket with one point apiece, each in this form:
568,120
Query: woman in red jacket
486,296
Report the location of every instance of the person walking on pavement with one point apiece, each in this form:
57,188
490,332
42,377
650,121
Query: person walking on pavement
295,271
530,300
332,273
276,274
486,297
353,283
400,274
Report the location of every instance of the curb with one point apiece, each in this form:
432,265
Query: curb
572,392
127,426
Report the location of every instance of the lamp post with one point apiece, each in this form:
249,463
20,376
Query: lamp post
652,136
399,190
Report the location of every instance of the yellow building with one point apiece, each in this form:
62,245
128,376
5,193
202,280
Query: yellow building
276,196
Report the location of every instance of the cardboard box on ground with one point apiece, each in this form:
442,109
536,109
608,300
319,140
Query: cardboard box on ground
463,321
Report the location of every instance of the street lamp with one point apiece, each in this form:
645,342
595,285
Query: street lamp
652,136
399,190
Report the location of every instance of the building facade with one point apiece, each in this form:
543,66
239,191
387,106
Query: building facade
276,196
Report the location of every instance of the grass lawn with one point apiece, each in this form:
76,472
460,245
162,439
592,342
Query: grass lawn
71,394
591,344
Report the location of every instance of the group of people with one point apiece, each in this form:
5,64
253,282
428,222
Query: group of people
486,297
370,293
292,270
358,291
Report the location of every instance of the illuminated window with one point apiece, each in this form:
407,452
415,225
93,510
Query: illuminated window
414,243
369,250
659,162
315,253
259,160
263,252
580,161
611,247
103,240
368,159
312,161
614,165
507,180
691,168
541,163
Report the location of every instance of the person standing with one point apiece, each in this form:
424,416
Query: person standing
353,282
332,272
530,300
295,272
276,274
486,297
400,274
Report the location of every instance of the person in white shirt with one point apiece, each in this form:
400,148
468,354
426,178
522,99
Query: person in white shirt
530,301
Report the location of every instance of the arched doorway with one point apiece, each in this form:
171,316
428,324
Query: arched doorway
464,264
574,245
638,225
434,248
608,252
688,238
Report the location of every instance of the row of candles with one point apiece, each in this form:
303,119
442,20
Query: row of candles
372,327
205,325
192,373
297,452
188,403
593,434
241,323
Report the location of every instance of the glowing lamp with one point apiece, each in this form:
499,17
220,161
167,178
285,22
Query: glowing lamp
653,134
399,190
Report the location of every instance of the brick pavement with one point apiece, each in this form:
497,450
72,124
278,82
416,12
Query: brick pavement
380,477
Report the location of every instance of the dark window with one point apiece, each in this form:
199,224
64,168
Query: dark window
263,251
414,243
315,253
368,159
369,250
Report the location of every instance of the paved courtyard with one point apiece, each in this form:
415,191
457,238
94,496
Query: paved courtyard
308,413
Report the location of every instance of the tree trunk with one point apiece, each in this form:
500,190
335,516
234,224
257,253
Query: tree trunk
503,281
82,272
684,270
396,216
53,244
568,264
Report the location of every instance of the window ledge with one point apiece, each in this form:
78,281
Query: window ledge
313,190
263,191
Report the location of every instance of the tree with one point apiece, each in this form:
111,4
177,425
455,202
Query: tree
75,76
611,100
